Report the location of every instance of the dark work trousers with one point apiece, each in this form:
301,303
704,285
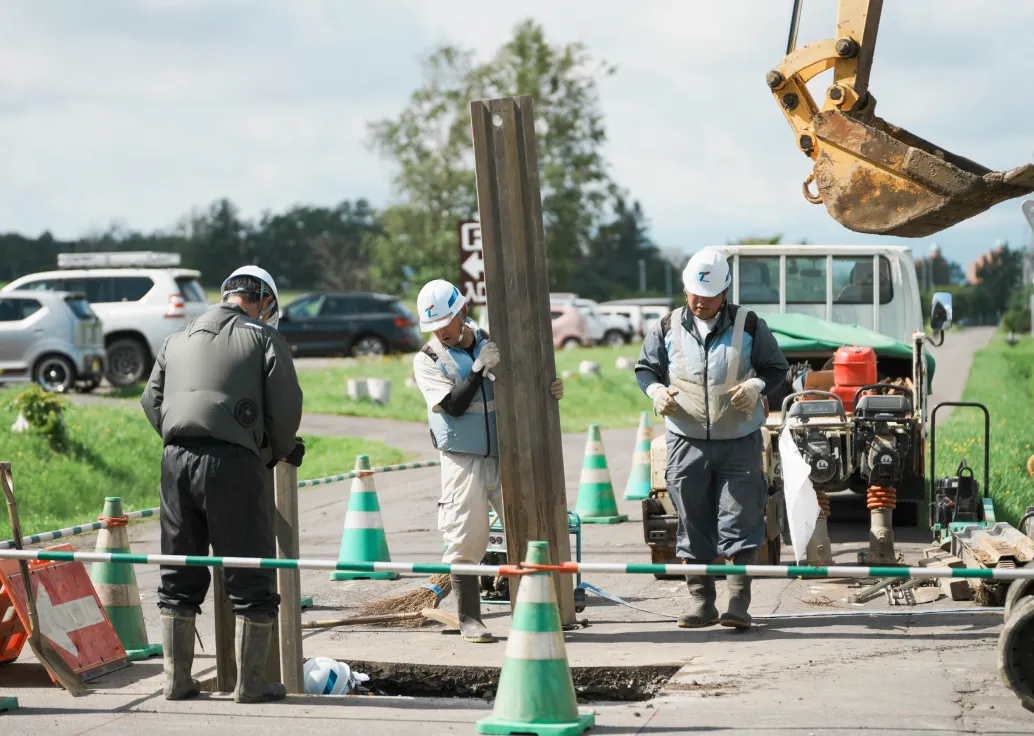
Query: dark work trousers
719,490
217,493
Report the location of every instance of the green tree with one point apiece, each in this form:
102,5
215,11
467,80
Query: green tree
430,142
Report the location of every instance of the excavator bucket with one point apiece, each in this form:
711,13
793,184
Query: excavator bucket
877,178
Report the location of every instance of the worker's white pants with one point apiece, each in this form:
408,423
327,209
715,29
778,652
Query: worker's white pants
470,483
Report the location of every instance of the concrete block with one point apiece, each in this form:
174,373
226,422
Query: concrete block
357,389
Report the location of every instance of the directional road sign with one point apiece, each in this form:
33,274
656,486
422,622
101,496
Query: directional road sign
472,265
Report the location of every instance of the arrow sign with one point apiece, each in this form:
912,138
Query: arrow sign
57,622
474,265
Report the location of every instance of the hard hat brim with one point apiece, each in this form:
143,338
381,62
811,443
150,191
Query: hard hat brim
707,293
436,324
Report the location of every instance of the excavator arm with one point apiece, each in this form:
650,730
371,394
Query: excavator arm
874,177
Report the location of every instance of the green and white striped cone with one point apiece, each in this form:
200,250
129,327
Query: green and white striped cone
638,486
117,589
536,692
363,538
596,502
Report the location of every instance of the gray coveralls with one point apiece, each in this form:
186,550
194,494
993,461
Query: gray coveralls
714,468
224,396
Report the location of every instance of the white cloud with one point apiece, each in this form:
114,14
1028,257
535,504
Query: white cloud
140,111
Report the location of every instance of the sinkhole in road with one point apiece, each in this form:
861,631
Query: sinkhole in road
591,684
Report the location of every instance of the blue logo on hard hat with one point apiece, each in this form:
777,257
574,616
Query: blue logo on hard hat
429,311
703,274
455,295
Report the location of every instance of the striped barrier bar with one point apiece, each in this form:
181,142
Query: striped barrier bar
789,571
769,571
262,562
360,473
75,530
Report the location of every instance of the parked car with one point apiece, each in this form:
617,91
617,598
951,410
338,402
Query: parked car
569,327
138,303
641,313
604,329
349,324
52,338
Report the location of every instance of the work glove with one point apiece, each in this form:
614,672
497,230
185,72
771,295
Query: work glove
296,455
488,358
663,399
745,396
557,389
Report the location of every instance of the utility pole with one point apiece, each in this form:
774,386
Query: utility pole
667,279
642,276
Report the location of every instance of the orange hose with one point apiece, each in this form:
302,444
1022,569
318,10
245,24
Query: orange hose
882,498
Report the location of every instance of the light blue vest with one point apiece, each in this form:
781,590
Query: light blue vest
706,411
474,431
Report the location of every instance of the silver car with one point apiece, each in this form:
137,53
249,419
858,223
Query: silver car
52,338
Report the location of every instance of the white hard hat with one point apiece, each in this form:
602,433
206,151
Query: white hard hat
707,273
438,303
272,313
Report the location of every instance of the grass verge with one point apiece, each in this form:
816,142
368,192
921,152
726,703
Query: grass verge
1001,378
113,451
612,399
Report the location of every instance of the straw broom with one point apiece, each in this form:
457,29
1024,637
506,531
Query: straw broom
428,595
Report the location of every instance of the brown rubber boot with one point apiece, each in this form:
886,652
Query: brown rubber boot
739,592
468,604
702,611
178,646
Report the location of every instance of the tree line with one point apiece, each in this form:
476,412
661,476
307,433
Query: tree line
595,231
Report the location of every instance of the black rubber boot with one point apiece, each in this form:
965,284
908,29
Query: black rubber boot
253,637
739,592
468,603
178,648
702,611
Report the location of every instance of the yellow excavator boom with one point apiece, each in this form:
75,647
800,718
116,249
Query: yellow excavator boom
874,177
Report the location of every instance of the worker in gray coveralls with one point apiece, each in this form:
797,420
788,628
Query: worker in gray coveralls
705,366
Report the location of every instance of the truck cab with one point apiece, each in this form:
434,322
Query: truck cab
873,286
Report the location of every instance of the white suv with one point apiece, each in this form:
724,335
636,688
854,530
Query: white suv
138,303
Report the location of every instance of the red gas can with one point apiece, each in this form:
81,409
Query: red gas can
854,366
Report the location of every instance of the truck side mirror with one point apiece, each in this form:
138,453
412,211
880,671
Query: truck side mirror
940,311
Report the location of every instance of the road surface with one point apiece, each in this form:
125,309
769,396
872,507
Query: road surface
861,672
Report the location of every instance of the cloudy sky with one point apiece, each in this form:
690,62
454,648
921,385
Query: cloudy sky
138,111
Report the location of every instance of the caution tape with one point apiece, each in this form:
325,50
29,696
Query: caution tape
769,571
72,531
371,471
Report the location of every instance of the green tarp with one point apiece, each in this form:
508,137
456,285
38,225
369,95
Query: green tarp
800,332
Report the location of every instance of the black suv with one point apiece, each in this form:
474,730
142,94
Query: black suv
350,324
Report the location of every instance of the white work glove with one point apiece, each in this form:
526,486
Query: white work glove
663,399
745,396
488,358
557,389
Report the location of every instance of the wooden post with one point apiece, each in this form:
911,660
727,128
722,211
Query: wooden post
517,284
289,581
225,630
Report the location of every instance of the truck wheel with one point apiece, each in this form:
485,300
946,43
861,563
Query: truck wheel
55,373
614,339
127,362
1019,590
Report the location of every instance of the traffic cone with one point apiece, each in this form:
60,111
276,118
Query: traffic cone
596,502
116,586
639,485
536,692
363,537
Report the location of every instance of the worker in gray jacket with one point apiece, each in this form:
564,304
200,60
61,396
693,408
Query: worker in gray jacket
706,366
224,396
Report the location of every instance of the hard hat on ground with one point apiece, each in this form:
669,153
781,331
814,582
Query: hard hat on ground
267,287
707,273
438,303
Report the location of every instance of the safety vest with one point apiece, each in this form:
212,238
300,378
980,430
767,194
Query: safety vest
474,431
704,380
